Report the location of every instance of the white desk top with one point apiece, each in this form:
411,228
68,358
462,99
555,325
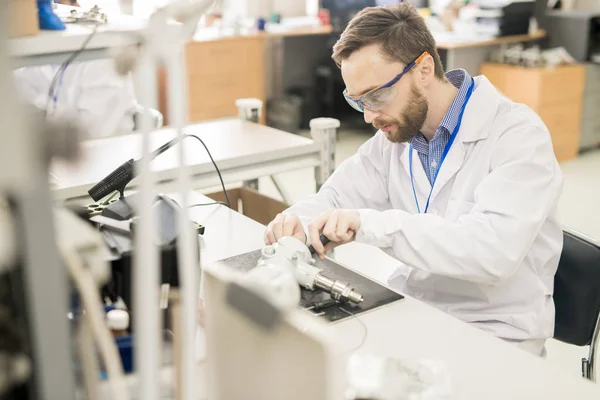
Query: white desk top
54,47
235,145
481,366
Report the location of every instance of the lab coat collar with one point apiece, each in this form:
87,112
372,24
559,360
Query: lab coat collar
480,111
479,114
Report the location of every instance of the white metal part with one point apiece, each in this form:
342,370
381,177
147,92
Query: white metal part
277,283
292,254
306,275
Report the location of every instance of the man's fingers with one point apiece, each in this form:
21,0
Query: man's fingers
289,223
348,237
330,246
341,229
330,228
271,238
314,231
299,232
277,230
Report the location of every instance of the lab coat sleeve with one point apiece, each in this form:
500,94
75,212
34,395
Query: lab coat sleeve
359,182
489,243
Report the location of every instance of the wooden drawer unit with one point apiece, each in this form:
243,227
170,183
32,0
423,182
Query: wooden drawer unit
225,56
563,120
219,73
555,94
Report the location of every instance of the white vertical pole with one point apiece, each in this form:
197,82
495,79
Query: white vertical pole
188,267
146,260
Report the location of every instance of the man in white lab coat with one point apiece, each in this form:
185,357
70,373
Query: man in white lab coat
460,184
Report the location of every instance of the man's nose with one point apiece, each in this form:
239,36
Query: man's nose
370,116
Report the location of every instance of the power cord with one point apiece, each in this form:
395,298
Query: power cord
364,338
216,168
58,76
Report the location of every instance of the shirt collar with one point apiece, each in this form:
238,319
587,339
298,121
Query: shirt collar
462,81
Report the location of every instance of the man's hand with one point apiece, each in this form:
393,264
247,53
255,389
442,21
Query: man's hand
284,225
340,227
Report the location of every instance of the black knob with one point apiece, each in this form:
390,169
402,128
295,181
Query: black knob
324,240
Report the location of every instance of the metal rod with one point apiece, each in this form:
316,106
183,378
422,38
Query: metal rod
146,282
188,268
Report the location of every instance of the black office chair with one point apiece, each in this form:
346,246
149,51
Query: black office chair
577,296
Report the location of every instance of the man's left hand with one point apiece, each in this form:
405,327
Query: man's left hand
339,226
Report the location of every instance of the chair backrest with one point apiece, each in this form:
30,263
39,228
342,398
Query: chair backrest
577,290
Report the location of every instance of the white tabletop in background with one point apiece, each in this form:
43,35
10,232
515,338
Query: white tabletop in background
232,142
481,366
53,47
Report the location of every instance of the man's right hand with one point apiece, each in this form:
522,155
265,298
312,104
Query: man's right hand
284,225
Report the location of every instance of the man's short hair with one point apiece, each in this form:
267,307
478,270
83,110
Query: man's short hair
399,30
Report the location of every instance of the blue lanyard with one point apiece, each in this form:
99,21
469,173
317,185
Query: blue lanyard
444,154
60,83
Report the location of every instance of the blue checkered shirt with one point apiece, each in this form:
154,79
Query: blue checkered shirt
431,153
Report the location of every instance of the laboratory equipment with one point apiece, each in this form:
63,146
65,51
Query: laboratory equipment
261,350
292,254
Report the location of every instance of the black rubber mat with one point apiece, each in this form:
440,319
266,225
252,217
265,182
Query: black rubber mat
374,294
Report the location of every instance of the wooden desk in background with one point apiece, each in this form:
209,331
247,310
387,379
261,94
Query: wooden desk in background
222,70
471,54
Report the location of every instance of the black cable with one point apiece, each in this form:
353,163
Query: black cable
64,66
209,204
216,168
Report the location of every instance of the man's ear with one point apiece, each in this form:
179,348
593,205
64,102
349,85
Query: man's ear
426,69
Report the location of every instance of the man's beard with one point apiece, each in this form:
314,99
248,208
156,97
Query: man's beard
413,118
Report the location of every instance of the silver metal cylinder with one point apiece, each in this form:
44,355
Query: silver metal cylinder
324,283
339,290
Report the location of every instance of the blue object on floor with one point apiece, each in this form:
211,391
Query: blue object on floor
49,20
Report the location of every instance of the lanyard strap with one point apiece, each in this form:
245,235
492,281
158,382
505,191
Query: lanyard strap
444,154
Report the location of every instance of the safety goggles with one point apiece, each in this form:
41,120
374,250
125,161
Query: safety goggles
379,97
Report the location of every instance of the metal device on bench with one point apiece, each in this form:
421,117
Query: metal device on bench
294,255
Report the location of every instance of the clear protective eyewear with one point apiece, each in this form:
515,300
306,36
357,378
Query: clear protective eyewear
379,97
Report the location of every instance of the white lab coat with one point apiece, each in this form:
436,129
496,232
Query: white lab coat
488,248
91,91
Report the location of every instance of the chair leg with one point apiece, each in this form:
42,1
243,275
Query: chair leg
589,364
585,368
